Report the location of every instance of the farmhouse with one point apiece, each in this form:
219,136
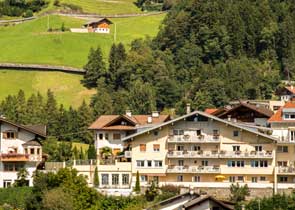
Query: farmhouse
99,26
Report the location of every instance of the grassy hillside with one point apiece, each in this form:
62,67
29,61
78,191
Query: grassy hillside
31,43
106,6
66,87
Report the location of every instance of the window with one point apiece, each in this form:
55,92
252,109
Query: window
116,136
140,163
143,178
236,148
282,163
283,179
254,179
292,135
198,132
197,178
258,148
180,148
13,166
104,179
9,135
115,179
178,132
240,163
106,136
158,163
215,132
38,151
32,151
180,178
235,133
142,147
232,179
240,178
180,163
7,183
262,178
125,179
156,133
231,163
149,163
204,162
259,163
100,136
282,149
26,150
216,208
156,147
196,148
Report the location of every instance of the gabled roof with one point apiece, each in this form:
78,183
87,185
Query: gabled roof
98,21
277,117
201,199
291,89
35,131
32,143
210,110
202,114
105,121
261,110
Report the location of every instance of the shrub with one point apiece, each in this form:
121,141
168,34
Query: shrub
28,13
15,196
56,3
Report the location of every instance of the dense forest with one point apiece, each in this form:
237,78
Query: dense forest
23,8
207,53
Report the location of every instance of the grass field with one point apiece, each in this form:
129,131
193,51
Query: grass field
67,87
106,6
31,43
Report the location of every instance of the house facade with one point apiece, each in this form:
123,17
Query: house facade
201,150
99,26
286,93
20,147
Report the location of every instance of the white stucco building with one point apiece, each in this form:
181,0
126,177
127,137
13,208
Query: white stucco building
20,147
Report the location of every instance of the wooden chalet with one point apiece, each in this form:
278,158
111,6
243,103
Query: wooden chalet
99,26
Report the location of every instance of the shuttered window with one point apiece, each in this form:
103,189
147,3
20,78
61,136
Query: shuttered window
142,147
156,147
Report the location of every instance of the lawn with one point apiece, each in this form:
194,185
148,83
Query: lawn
104,7
67,87
31,43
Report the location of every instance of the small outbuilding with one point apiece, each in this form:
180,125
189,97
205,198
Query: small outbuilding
99,26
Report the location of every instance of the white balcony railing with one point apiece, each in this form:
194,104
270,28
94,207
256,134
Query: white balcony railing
286,170
220,154
193,169
194,138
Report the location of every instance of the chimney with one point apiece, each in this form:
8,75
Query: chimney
150,119
129,113
155,114
188,108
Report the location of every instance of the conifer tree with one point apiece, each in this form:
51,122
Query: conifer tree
96,178
21,107
137,183
94,69
91,152
85,118
51,113
75,153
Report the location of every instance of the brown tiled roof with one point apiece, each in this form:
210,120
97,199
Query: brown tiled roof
32,143
104,120
264,111
210,111
37,128
277,117
119,127
27,128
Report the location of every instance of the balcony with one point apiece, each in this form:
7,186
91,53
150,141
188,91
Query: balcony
193,169
246,154
193,154
14,157
128,154
220,154
286,170
194,139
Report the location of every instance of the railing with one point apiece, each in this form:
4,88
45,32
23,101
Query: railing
192,154
14,157
193,169
286,170
219,154
194,138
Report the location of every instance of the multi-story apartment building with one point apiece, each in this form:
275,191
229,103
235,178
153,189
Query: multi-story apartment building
201,150
20,147
283,128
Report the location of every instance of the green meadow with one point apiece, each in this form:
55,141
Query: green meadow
31,43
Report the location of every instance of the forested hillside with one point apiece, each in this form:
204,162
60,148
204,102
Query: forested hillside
207,53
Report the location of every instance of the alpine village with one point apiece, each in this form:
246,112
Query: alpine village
147,105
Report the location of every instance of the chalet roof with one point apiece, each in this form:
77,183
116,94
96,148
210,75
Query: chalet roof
236,125
201,199
32,143
98,21
26,128
105,121
291,89
37,128
277,117
262,110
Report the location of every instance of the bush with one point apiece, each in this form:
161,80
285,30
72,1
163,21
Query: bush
28,13
15,196
56,3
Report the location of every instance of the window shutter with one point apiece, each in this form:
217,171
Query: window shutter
142,147
16,135
4,135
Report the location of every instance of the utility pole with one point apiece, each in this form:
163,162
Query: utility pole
47,22
115,33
